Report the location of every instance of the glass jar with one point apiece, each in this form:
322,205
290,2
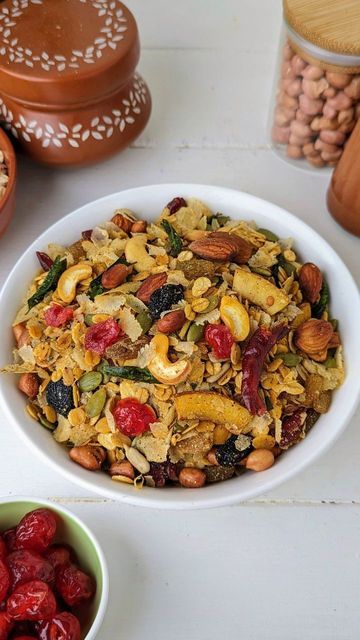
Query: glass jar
316,101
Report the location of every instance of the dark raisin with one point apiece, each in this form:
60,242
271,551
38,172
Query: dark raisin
176,204
86,235
162,299
162,472
312,416
218,474
228,455
60,397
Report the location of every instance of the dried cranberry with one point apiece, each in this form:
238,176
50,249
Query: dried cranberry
176,204
63,626
132,417
162,472
5,625
58,555
292,428
3,549
25,565
24,638
86,235
9,537
45,261
219,337
101,335
73,585
36,530
57,316
33,600
4,580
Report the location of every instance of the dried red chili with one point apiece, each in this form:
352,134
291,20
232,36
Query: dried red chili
254,356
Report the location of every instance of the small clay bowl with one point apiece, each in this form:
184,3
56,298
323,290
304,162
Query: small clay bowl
7,201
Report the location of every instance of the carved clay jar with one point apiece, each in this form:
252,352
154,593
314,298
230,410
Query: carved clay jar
69,92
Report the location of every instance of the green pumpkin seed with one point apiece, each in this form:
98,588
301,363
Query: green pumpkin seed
289,268
45,423
261,272
96,403
330,363
195,333
144,321
290,359
90,381
269,235
335,324
89,319
213,303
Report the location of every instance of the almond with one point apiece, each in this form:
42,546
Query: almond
122,222
172,322
114,276
310,281
313,336
222,246
151,284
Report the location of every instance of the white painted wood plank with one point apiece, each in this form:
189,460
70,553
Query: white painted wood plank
245,25
335,476
207,99
253,571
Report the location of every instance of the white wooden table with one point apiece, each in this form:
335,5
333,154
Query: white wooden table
283,567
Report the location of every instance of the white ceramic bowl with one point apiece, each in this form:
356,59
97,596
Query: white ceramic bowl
73,531
148,203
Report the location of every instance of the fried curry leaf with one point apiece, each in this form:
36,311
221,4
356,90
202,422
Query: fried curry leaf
130,373
321,305
175,240
49,283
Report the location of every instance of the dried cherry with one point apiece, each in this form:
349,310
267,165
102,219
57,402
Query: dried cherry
5,625
36,530
101,335
25,565
63,626
57,316
58,555
33,600
45,261
219,337
162,472
175,204
132,417
3,549
9,537
73,585
4,580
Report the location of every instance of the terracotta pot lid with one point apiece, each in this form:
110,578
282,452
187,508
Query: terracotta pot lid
64,52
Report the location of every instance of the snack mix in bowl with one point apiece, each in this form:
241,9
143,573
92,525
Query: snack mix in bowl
183,352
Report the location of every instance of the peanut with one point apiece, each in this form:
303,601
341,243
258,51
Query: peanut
212,457
353,89
338,80
18,329
280,134
309,149
293,88
298,141
260,459
122,222
303,117
310,106
314,88
192,478
29,384
294,152
311,72
300,129
287,101
329,156
139,226
298,65
329,112
332,137
316,161
123,468
330,92
89,457
284,116
340,101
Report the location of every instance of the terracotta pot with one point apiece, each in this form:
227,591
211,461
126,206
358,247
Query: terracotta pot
69,91
7,202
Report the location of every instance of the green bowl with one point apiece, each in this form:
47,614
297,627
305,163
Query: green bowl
73,531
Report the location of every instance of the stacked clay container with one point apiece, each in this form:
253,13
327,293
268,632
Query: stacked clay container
317,94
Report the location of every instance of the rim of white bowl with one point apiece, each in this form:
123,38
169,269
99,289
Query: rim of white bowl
200,500
104,597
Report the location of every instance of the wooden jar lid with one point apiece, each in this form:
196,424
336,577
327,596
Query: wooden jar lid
333,25
65,52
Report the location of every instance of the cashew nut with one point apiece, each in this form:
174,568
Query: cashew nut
135,253
235,317
66,289
162,368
